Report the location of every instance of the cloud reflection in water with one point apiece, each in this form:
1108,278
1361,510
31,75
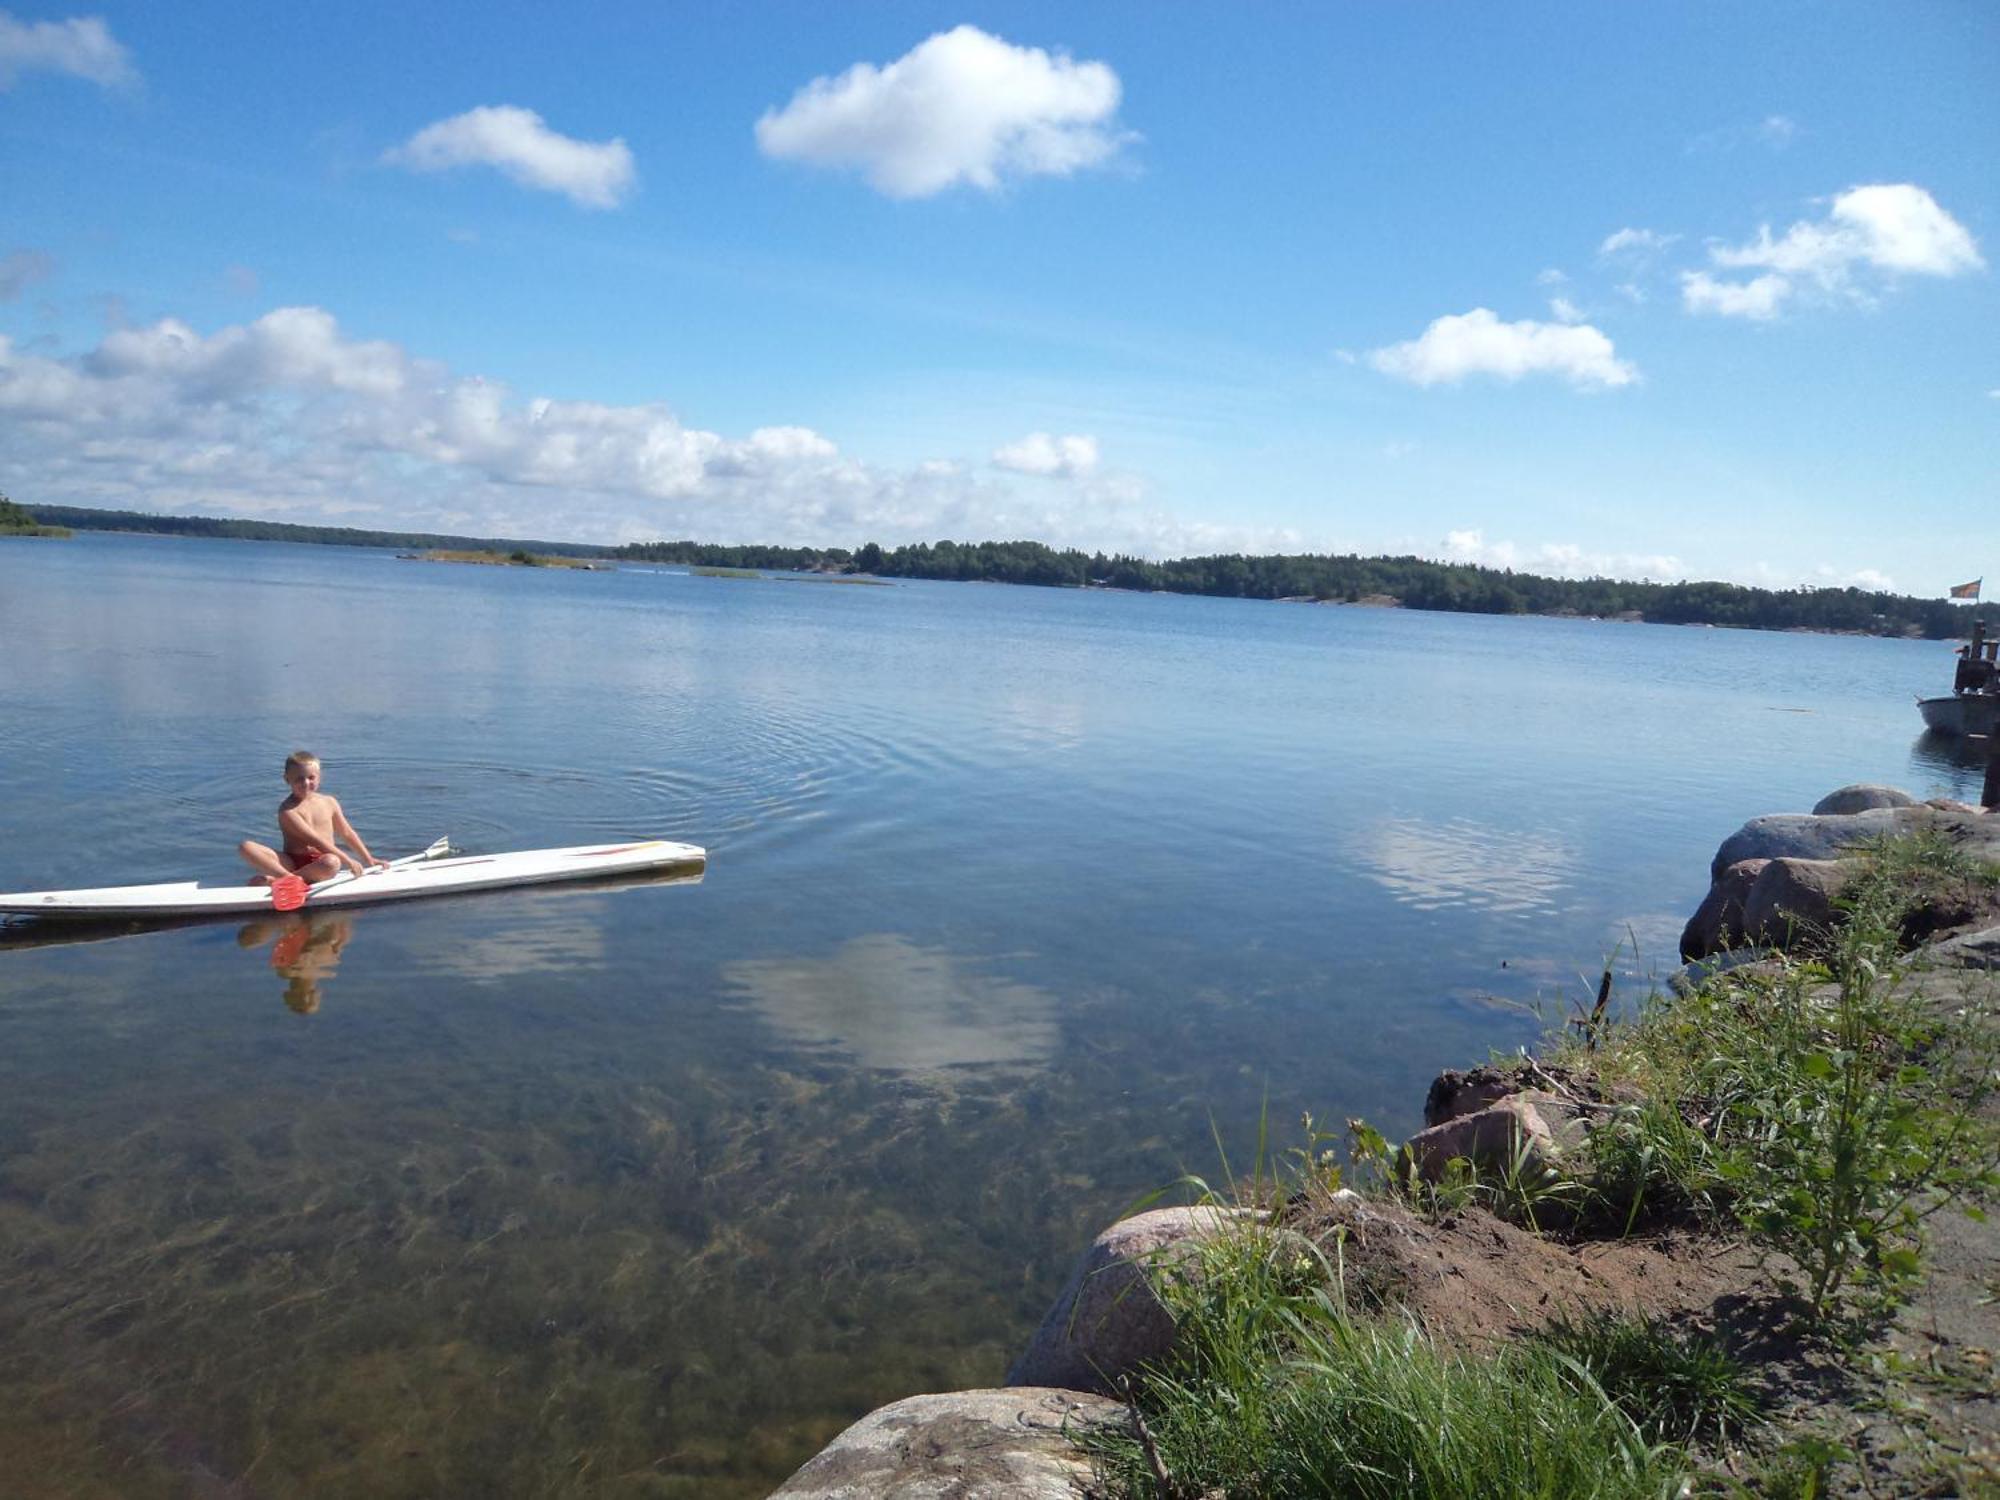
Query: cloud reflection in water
894,1005
1463,863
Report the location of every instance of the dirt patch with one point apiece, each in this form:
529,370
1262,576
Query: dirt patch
1474,1279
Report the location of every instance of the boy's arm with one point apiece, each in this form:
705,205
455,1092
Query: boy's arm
346,831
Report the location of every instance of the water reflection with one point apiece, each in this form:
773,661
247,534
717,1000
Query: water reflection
1958,761
1463,863
893,1005
305,950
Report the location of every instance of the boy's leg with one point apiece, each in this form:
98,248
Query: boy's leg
267,862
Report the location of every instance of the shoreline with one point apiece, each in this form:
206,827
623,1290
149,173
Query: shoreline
1497,1229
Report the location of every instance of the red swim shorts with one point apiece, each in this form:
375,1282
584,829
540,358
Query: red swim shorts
309,855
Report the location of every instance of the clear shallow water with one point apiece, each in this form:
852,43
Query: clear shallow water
1012,892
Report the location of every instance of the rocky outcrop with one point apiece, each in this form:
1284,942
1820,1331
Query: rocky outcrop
1861,797
1778,878
994,1445
1795,898
1107,1320
1717,924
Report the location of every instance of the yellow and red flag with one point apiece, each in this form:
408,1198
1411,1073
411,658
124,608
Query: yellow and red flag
1967,590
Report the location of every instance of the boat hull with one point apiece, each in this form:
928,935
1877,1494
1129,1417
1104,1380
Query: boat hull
1961,713
407,882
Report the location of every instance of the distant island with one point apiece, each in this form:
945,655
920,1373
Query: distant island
1411,582
493,557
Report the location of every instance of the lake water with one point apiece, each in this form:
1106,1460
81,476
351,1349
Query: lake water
1018,901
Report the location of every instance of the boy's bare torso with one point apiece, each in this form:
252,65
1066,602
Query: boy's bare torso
307,821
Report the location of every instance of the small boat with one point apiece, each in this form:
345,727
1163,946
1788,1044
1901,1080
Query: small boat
1974,704
435,872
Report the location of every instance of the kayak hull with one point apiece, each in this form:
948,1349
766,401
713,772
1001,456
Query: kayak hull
402,882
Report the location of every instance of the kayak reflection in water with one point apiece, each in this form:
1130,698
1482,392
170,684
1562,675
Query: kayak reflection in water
305,950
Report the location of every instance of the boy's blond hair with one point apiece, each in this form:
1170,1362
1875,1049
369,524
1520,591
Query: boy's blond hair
298,760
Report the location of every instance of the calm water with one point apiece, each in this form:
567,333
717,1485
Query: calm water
1014,895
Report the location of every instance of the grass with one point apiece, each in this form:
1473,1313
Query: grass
1676,1386
1277,1391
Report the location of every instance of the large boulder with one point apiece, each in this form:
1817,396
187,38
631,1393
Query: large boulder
1807,836
981,1445
1107,1320
1795,898
1862,797
1717,924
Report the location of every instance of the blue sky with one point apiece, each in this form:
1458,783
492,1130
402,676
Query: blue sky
1663,291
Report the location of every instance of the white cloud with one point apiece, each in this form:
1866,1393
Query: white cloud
960,107
1635,243
1068,457
1758,300
82,47
1478,343
1557,559
21,270
595,174
1553,276
288,417
1564,311
1888,227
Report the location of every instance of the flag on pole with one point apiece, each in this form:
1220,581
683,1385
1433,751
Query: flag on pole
1967,590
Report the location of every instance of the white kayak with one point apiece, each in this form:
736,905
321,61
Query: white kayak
436,872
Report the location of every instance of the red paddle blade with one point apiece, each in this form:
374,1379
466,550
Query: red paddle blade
288,949
288,894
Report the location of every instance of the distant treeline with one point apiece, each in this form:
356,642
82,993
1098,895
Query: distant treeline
285,531
1410,581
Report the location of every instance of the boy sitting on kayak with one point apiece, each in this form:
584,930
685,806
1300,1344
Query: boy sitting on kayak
312,828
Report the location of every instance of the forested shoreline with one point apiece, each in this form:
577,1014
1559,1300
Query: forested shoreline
1412,582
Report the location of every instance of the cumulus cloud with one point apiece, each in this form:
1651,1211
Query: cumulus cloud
1557,559
1869,236
517,142
1564,311
1478,343
1066,457
21,269
290,416
960,107
82,47
1891,228
1758,300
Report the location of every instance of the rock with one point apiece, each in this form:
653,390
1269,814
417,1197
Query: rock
1689,977
1804,836
1453,1093
1718,921
1861,797
1794,898
1492,1139
1106,1320
981,1445
1969,950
